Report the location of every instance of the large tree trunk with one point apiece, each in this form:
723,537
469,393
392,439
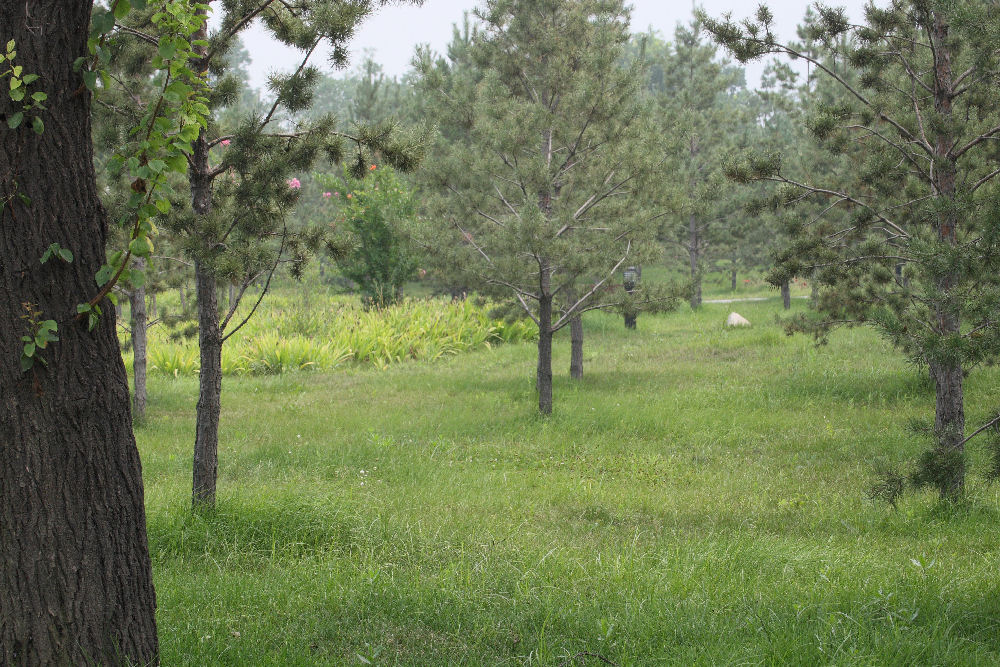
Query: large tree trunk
576,347
206,443
75,579
544,377
694,251
137,303
786,295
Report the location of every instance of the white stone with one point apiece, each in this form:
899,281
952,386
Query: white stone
737,320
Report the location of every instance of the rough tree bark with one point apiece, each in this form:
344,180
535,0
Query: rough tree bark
544,379
576,347
206,443
949,413
786,295
75,579
137,307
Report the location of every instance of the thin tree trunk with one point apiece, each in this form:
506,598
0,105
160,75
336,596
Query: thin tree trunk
732,280
137,302
209,409
544,378
693,256
949,412
76,585
786,295
576,347
206,444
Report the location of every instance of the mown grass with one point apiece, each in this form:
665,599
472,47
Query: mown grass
699,498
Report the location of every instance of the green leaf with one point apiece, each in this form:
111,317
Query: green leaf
90,80
17,69
37,125
29,78
39,96
15,120
163,205
122,9
66,255
139,4
83,307
10,45
17,95
26,363
104,275
167,48
141,247
136,278
15,83
177,163
92,320
29,349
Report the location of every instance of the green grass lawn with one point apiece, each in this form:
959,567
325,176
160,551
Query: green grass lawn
699,498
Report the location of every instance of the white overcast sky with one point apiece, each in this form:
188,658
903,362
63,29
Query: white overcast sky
393,33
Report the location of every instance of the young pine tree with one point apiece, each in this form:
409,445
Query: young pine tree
545,163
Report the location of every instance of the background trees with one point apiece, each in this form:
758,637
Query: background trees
536,192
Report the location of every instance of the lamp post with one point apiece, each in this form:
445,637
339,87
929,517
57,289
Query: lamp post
630,279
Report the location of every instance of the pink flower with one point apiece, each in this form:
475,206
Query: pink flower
294,184
225,142
336,194
327,195
422,272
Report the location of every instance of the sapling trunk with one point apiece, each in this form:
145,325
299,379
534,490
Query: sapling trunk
137,303
786,295
206,445
544,378
576,347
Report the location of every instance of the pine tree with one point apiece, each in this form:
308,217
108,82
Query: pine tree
921,109
243,179
697,98
549,158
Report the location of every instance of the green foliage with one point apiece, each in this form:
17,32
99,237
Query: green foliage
285,335
29,104
40,334
547,158
371,228
162,133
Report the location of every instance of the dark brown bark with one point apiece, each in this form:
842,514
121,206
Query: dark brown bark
949,413
544,377
786,295
576,347
75,579
137,304
206,443
732,280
